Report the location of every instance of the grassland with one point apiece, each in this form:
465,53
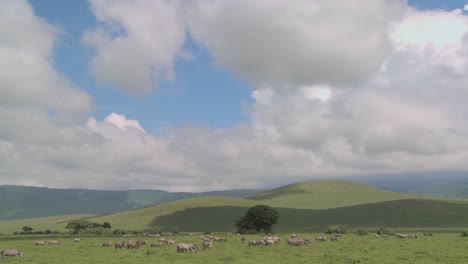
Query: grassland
412,213
326,194
142,218
440,249
42,223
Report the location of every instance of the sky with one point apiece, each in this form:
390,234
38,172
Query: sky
215,94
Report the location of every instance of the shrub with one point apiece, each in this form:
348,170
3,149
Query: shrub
341,229
428,234
464,234
361,232
384,231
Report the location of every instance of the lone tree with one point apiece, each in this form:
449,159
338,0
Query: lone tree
106,225
27,229
258,218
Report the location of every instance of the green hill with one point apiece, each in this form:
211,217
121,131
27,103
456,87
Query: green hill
411,213
325,194
143,218
39,224
21,202
307,206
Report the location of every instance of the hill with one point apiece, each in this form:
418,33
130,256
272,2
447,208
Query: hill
435,183
411,213
143,218
307,206
21,202
325,194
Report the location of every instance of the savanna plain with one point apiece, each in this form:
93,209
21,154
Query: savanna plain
351,248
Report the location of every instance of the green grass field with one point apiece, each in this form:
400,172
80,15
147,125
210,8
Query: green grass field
412,213
326,194
437,249
42,223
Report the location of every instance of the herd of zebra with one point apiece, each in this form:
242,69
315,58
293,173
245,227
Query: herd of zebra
207,242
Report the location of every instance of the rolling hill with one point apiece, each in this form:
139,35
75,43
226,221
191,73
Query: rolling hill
408,213
306,206
325,194
21,202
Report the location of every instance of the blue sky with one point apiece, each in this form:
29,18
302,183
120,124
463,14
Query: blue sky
200,94
203,95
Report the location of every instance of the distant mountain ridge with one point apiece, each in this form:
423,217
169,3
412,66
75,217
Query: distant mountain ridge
18,202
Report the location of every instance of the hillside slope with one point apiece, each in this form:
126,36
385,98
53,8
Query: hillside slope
143,218
411,213
325,194
21,202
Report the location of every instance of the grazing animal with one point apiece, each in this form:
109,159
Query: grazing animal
156,244
77,239
243,238
107,244
53,242
39,243
207,245
10,252
133,245
184,248
321,238
170,242
294,235
120,245
297,242
333,238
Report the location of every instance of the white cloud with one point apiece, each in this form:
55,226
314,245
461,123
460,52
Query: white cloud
465,8
358,117
284,43
137,42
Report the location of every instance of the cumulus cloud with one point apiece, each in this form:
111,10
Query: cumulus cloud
137,42
369,90
290,43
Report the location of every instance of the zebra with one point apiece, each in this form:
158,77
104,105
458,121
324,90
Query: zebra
184,248
170,242
39,243
207,245
133,245
156,244
9,252
321,238
119,245
107,244
53,242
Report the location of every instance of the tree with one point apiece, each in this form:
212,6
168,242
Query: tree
27,229
79,224
258,218
106,225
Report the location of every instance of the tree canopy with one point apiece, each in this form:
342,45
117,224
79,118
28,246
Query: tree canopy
258,218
